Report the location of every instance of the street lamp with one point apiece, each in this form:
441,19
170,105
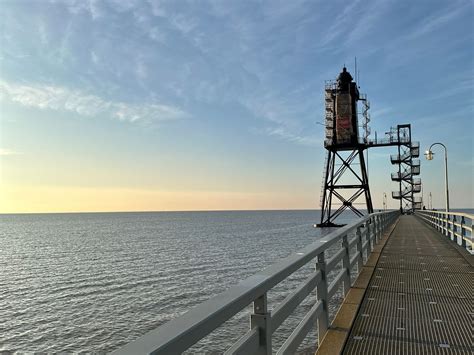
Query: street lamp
429,156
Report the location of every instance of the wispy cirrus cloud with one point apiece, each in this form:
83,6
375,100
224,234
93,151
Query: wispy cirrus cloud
63,99
89,6
8,152
338,27
441,19
286,115
306,140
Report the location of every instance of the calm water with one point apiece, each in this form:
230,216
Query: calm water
93,282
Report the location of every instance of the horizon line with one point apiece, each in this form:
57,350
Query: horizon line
223,210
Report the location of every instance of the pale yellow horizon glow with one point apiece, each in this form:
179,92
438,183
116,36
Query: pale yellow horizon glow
56,199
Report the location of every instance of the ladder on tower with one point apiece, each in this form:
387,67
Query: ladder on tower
323,183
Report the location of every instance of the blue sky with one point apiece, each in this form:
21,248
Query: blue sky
215,104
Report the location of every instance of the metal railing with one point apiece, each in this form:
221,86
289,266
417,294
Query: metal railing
404,175
415,151
183,332
396,158
456,226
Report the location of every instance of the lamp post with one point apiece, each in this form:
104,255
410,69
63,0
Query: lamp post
429,156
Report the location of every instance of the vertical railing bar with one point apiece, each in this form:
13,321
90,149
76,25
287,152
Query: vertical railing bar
322,290
360,259
373,233
446,224
368,248
454,226
448,227
455,230
376,230
463,232
371,227
472,234
261,318
346,264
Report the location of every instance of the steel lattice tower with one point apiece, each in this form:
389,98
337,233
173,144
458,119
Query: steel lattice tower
345,178
343,181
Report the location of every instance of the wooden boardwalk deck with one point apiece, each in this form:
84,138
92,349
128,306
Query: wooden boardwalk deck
420,299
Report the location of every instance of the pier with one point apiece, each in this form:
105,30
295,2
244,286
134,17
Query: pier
418,299
407,284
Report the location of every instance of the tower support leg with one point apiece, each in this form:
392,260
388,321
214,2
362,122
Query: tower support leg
333,188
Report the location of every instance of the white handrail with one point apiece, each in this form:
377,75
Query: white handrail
183,332
457,226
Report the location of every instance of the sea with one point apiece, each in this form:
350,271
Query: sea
92,282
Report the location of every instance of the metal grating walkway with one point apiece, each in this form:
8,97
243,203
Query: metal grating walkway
420,299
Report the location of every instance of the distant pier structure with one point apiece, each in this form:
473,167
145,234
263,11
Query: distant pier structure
345,184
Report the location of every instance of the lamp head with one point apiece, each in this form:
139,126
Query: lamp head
429,155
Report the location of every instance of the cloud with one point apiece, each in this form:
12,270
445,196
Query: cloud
183,24
461,86
95,58
93,7
141,70
311,141
338,27
439,19
367,19
43,33
288,115
66,100
8,152
383,111
157,8
286,129
156,35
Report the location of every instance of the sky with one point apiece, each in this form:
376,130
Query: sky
121,105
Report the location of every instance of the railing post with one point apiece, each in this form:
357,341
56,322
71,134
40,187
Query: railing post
261,318
322,288
463,232
448,229
380,227
472,234
360,259
346,264
377,229
455,229
384,223
371,233
445,219
367,238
